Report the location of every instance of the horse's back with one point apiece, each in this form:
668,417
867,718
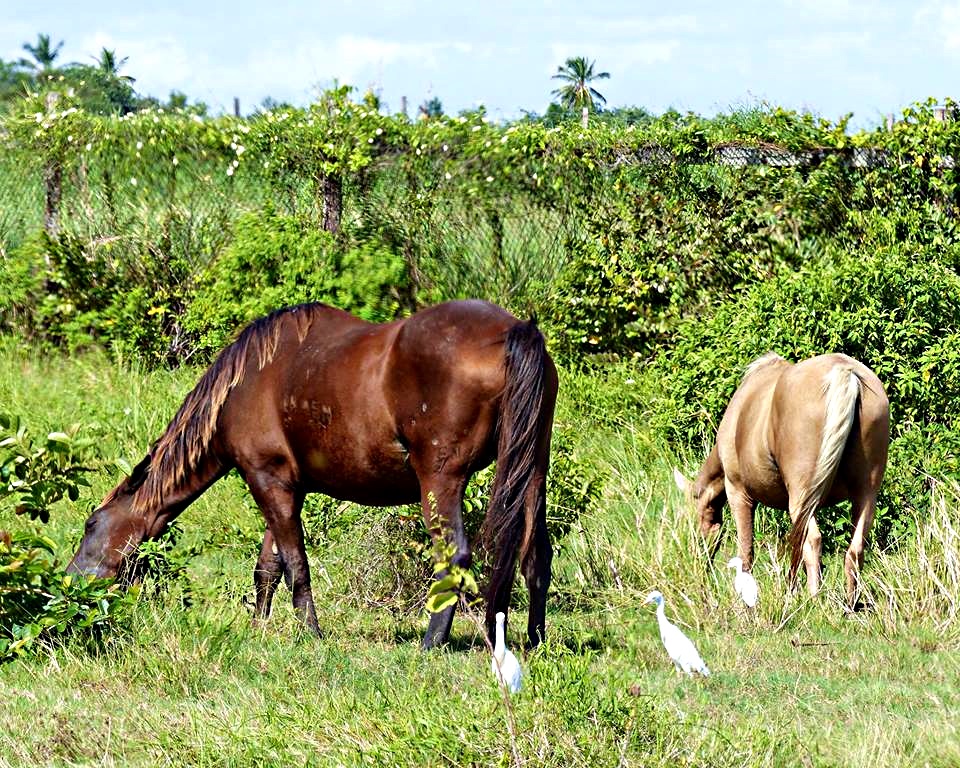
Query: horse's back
317,406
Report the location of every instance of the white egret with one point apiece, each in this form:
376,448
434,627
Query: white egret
744,583
681,650
506,668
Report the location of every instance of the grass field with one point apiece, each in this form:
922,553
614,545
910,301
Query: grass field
187,680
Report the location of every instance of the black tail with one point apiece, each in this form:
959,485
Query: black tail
522,419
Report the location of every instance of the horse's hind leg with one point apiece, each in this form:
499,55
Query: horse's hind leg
536,572
267,575
280,505
863,506
812,547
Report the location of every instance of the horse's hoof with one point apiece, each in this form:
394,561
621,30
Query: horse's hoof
861,606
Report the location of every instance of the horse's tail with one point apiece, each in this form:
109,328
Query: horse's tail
507,530
841,391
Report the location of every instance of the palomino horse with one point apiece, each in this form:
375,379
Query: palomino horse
311,398
799,437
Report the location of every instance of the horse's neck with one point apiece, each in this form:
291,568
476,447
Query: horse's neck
166,506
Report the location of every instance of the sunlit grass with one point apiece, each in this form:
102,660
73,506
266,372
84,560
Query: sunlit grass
188,680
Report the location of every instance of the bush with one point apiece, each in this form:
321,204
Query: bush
72,292
278,260
670,240
897,312
36,599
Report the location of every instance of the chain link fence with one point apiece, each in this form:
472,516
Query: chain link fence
506,242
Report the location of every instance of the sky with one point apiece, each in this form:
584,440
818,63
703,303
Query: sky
829,57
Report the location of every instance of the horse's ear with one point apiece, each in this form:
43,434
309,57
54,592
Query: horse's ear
682,483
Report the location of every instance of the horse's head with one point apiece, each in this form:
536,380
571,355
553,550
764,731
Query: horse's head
115,530
706,492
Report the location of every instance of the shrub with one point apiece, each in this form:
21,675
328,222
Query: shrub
277,260
669,240
73,292
36,599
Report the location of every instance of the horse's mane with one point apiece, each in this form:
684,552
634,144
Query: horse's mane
761,362
180,449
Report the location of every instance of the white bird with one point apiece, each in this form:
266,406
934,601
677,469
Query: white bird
744,583
681,650
506,668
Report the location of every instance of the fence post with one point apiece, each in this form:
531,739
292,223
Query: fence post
332,186
52,183
236,106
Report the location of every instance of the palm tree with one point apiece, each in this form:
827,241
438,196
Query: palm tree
110,66
43,54
577,74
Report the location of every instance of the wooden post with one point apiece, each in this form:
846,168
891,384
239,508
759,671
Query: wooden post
403,105
332,186
53,183
584,117
236,106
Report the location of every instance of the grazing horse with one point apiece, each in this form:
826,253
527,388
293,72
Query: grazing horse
311,398
799,437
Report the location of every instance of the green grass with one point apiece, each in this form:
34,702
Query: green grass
186,680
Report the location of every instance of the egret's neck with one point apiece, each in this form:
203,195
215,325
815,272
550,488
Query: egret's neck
661,614
500,643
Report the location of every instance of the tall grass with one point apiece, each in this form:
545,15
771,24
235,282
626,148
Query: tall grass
189,681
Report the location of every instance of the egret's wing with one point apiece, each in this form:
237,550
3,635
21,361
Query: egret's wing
682,650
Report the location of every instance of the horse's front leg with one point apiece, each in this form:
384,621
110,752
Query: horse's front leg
742,509
281,503
266,577
441,500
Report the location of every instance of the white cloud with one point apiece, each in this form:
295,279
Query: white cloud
356,60
158,63
841,10
616,58
940,21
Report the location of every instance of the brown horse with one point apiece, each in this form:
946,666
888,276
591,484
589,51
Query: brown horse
311,398
799,437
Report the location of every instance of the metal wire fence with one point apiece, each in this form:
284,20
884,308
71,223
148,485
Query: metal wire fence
459,240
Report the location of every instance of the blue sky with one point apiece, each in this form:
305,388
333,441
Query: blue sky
825,56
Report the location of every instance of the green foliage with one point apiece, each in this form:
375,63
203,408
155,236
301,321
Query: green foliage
37,601
37,476
278,260
73,292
